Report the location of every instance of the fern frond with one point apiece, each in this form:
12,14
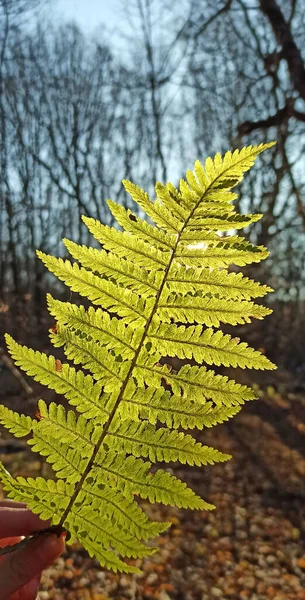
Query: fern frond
157,405
116,299
208,311
222,222
126,246
97,359
85,522
189,197
79,389
176,202
227,172
141,229
68,463
56,425
158,213
144,280
111,503
45,497
205,281
214,239
142,439
131,475
220,255
65,425
125,511
49,499
96,324
117,269
19,425
197,383
205,345
106,558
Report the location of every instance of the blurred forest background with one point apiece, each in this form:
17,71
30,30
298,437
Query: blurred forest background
171,83
141,97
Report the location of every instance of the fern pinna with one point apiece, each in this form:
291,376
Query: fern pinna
164,289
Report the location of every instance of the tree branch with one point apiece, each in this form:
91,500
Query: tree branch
273,121
203,27
284,37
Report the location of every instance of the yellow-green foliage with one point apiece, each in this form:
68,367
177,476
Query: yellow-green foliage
163,289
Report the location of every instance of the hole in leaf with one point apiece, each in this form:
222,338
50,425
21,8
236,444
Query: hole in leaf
83,534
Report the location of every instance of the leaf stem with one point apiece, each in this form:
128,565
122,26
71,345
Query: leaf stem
128,375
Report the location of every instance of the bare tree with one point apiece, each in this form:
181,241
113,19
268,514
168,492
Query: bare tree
13,14
186,81
246,82
74,132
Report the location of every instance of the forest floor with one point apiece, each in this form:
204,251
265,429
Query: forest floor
252,547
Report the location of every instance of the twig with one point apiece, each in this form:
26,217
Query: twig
205,25
274,120
56,529
10,365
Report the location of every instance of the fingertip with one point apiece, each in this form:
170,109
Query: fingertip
52,546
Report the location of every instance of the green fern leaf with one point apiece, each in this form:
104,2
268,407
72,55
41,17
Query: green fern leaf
233,286
68,463
87,523
47,498
131,475
116,269
227,172
106,558
141,439
126,246
155,210
157,405
208,311
78,388
162,289
221,255
205,345
19,425
196,383
125,511
176,202
222,222
116,299
96,325
143,230
97,359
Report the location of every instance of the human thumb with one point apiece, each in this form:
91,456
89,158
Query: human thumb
20,566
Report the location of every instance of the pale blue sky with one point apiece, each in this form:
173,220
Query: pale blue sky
89,14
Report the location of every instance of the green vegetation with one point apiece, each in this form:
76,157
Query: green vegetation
164,290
